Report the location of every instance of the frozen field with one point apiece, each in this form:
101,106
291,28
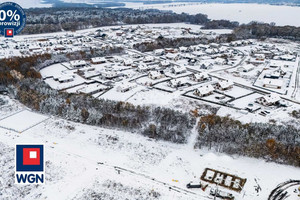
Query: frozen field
21,121
243,13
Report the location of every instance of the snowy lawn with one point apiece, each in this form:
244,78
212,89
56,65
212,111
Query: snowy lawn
23,120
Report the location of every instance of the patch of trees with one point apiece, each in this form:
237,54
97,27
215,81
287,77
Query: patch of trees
162,42
220,24
295,114
278,143
263,30
154,122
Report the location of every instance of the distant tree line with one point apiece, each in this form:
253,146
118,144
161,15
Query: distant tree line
278,143
45,20
55,19
166,42
263,30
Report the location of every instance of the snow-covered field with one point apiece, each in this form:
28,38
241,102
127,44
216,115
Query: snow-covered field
87,162
21,121
243,13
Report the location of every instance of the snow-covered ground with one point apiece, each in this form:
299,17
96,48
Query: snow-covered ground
243,13
87,162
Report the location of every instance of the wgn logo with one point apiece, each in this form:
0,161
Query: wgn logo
30,164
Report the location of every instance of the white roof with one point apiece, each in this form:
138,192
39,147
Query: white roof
179,68
128,62
64,78
91,88
77,62
205,89
176,81
98,59
155,73
171,55
201,75
226,83
272,98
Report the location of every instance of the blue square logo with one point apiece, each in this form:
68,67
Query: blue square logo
29,158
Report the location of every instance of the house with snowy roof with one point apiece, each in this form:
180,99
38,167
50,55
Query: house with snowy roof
204,90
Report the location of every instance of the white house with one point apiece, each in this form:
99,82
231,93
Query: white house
165,63
98,60
273,83
65,79
109,74
155,75
224,84
77,63
128,62
206,65
174,83
148,59
204,90
142,68
198,77
172,56
220,61
178,69
268,100
92,89
159,52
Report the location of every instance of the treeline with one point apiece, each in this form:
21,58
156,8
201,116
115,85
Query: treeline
45,20
163,42
154,122
262,31
278,143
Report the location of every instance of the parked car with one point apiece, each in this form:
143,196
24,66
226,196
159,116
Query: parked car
193,185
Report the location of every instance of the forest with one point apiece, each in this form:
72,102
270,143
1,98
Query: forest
279,143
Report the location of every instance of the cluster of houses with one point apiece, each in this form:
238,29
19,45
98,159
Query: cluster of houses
208,89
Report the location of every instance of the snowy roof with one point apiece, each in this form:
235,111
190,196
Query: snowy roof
92,88
175,82
77,62
171,55
98,59
155,73
272,98
65,78
201,75
165,63
205,89
179,68
149,58
128,62
226,83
